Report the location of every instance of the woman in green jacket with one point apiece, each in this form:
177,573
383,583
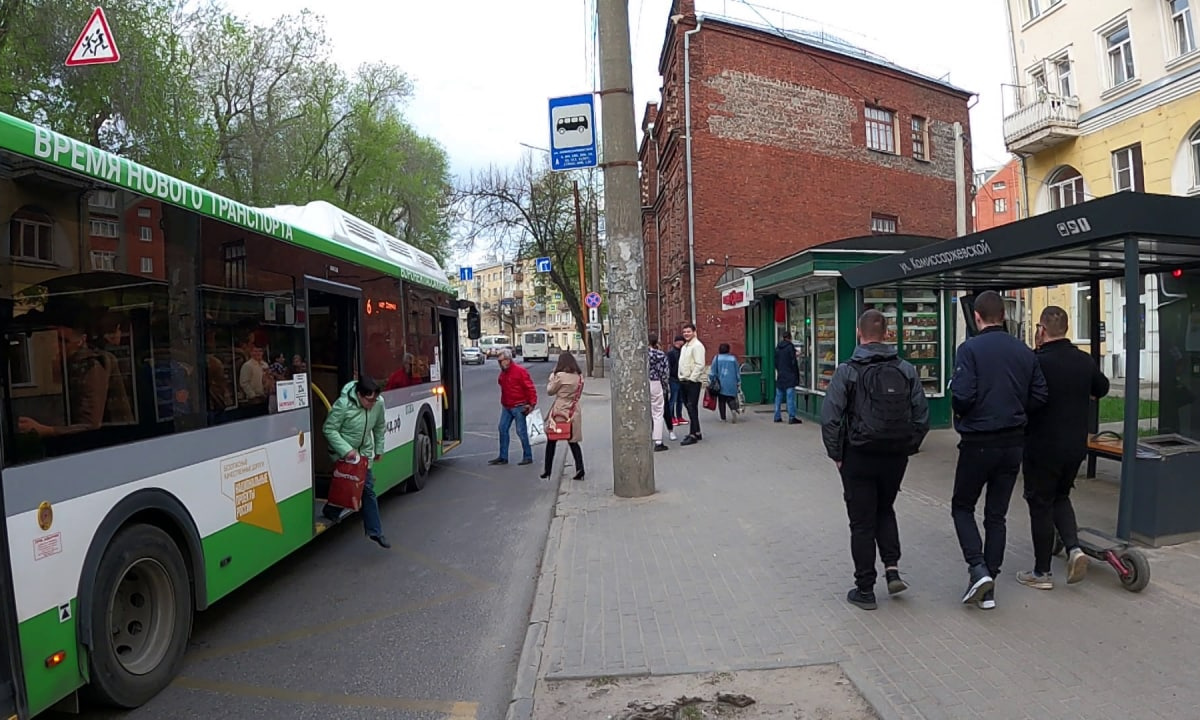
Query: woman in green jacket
354,428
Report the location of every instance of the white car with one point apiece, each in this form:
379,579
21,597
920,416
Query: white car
472,356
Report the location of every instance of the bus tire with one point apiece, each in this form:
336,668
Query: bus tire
422,455
142,612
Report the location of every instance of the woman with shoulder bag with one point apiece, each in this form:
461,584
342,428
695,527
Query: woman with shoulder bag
563,421
355,429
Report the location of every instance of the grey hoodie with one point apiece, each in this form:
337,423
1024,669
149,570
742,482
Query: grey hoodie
835,408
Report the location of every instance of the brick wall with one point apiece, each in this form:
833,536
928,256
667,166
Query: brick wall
1003,186
780,161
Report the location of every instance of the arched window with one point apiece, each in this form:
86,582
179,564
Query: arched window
1066,188
30,235
1194,152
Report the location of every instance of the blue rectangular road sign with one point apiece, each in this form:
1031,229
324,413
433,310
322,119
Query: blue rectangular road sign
542,265
466,273
572,132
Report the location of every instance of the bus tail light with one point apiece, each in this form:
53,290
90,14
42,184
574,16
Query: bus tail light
56,659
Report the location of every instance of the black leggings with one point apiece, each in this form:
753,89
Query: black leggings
576,452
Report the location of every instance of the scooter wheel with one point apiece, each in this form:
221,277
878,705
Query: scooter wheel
1139,570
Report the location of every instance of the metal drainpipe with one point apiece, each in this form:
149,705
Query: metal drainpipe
687,129
657,231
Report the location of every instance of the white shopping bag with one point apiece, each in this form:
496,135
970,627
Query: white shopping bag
536,427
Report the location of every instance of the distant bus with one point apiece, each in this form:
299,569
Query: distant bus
535,345
171,358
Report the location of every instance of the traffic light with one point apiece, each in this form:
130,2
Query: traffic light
1174,284
474,331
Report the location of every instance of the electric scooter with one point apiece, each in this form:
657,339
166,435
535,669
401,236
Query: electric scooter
1130,563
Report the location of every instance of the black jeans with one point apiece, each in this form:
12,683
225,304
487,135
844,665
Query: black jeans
869,487
576,452
1048,486
980,467
726,401
691,399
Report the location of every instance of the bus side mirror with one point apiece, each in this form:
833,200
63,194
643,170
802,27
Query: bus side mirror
474,331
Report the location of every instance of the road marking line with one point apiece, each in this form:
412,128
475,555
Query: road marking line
457,709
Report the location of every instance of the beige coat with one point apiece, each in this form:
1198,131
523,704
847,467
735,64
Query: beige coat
562,388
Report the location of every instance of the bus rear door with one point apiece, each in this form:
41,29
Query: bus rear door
12,697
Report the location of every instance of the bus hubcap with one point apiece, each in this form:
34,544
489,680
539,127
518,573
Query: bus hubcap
141,616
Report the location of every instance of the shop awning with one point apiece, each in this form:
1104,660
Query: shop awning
1075,244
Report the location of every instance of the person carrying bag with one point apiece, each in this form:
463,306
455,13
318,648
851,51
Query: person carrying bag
355,429
563,421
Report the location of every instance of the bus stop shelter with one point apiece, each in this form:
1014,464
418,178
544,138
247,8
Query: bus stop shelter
1122,237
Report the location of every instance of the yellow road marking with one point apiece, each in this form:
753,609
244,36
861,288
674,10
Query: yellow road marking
456,709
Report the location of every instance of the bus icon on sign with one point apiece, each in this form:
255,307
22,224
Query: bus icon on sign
576,122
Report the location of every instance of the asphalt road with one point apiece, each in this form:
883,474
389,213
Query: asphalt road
431,629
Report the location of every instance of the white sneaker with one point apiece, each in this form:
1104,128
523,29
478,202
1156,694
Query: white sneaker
673,437
1077,565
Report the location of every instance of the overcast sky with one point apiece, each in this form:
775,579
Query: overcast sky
484,69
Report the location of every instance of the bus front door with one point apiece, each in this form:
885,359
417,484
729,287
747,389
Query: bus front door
451,368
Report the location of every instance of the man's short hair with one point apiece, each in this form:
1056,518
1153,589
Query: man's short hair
990,306
787,336
872,325
1054,320
689,326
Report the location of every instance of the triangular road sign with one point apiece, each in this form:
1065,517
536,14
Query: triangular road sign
95,44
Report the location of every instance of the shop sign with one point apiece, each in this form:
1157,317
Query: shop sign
738,294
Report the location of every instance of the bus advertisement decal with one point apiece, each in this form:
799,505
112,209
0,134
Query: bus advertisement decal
246,480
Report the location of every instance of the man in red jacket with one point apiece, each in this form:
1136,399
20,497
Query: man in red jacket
518,398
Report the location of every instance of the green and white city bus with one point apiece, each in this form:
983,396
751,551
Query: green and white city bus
171,357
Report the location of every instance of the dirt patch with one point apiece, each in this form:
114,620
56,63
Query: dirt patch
815,692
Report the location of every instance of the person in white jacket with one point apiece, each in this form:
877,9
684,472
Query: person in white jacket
691,379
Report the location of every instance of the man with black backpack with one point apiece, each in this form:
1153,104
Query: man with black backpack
874,416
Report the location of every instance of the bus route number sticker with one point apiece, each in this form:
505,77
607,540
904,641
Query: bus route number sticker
246,480
46,546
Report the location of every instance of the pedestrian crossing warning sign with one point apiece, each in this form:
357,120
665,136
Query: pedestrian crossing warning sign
95,44
64,612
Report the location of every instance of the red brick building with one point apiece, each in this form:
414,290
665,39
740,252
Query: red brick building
997,198
796,140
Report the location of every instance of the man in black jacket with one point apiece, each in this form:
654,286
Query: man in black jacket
996,384
874,416
1056,445
787,377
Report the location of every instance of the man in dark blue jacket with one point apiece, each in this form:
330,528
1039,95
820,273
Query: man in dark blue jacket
787,377
996,384
1056,445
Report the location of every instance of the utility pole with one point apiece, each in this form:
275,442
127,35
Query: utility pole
633,465
597,337
579,245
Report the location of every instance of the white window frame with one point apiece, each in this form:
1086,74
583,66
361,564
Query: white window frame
44,235
100,227
147,265
1038,82
146,233
920,137
1034,8
104,260
1194,150
1123,49
876,119
1055,188
103,199
24,345
1000,205
1083,331
1181,29
1121,170
884,224
1064,79
144,212
999,186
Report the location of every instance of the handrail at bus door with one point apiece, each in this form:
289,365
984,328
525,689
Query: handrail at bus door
317,391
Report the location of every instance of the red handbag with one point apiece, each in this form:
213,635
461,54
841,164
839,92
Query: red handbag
349,478
559,428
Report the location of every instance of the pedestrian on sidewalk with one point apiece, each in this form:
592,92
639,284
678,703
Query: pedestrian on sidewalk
724,377
787,377
674,413
565,386
996,385
354,430
874,416
1056,446
660,374
518,398
691,380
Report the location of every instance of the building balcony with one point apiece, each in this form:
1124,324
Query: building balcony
1042,124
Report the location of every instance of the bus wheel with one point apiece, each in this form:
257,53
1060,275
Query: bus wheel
142,615
422,456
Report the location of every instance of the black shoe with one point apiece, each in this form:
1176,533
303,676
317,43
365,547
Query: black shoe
989,600
689,440
526,461
383,542
981,583
778,419
659,447
578,475
795,421
861,598
894,583
497,461
544,475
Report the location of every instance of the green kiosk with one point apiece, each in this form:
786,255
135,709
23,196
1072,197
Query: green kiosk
804,293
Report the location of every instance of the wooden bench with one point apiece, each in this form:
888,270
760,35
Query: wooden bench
1103,445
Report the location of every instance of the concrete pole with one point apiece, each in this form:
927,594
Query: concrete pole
960,179
633,464
597,337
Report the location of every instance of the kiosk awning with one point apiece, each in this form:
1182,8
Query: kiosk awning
1075,244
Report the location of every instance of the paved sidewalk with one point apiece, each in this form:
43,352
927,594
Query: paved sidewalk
741,561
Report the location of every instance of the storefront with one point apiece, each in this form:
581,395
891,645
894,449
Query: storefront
804,294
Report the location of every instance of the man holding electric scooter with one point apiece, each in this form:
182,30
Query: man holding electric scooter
1056,446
